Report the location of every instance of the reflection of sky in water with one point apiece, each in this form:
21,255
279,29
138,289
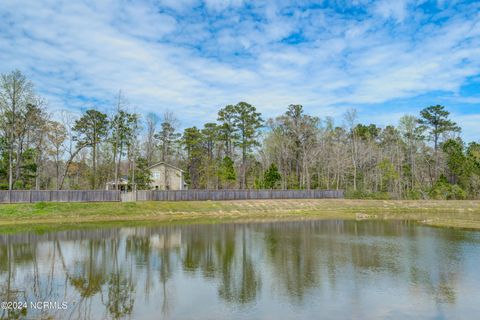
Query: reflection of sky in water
327,269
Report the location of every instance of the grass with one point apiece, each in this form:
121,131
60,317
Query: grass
460,214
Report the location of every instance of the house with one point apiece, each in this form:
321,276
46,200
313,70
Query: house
164,176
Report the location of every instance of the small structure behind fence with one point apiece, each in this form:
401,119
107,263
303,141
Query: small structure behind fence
27,196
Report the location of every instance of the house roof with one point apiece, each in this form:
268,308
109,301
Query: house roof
165,164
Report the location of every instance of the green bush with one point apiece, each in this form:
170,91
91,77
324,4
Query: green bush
443,190
413,195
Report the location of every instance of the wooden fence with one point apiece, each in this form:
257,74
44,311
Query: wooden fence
20,196
199,195
23,196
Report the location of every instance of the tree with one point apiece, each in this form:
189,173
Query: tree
434,120
388,174
443,190
16,94
367,133
210,135
351,119
192,142
473,156
411,134
226,173
227,131
73,146
132,145
91,128
123,135
459,165
31,131
142,174
246,121
296,134
167,136
271,177
150,145
56,136
473,153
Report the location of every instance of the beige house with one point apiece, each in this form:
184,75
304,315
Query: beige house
166,177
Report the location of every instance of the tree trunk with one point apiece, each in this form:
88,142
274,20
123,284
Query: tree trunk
10,166
94,167
115,167
244,166
57,169
67,166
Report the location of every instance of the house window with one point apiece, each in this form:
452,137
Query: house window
156,175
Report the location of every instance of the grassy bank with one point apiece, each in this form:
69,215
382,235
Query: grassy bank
463,214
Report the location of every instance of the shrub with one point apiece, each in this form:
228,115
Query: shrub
413,195
442,190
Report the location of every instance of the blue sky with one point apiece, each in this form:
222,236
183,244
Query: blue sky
384,58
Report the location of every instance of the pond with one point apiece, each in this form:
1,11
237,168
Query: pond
275,270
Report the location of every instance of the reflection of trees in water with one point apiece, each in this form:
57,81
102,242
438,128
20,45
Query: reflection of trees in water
121,288
90,275
150,249
223,252
24,256
438,279
293,257
199,254
240,281
87,276
299,255
8,290
297,251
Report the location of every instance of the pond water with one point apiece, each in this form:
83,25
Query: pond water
281,270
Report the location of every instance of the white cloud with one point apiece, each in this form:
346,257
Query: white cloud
396,9
167,55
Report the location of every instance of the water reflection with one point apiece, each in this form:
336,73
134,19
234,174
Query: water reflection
337,269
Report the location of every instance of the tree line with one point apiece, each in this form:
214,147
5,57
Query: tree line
420,158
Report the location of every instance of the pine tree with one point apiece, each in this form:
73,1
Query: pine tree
246,121
434,120
272,177
91,128
142,174
227,173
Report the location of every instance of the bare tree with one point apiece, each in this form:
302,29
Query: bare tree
150,144
351,120
56,137
16,94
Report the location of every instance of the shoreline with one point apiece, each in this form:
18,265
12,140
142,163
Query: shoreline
456,214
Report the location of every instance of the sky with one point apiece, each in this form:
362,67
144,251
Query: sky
383,58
